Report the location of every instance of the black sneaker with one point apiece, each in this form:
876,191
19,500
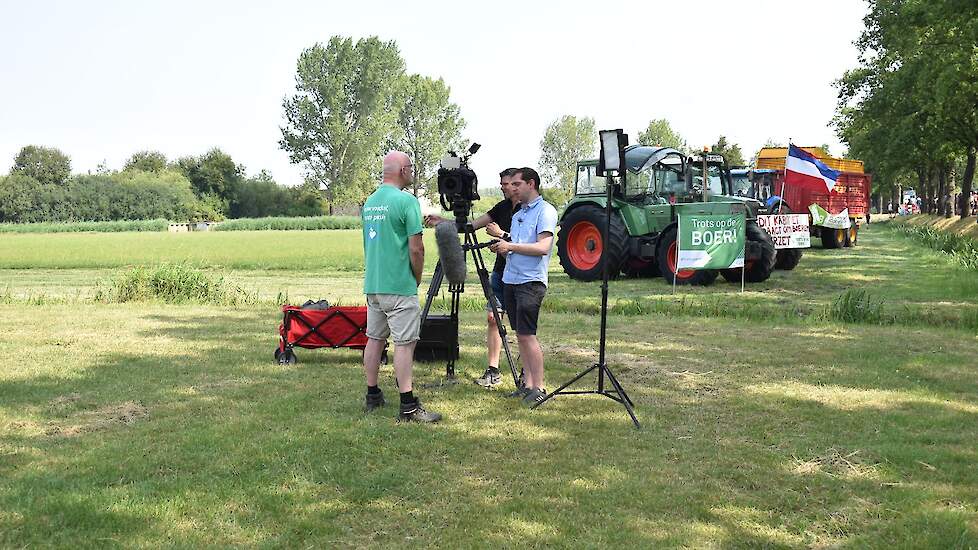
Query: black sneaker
374,401
489,379
534,396
520,392
414,412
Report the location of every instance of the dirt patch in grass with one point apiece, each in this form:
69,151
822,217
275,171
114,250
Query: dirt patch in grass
126,413
62,403
836,463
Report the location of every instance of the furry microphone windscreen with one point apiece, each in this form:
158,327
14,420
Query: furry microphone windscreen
450,252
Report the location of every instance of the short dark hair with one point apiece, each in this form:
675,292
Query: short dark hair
529,174
508,173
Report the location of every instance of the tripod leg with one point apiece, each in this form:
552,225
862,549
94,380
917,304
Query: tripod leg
566,384
456,301
433,287
480,267
625,399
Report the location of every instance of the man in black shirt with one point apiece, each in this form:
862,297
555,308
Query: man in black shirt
497,223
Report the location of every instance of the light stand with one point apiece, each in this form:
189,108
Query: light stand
612,159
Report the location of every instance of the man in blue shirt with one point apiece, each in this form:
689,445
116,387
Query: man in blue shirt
525,276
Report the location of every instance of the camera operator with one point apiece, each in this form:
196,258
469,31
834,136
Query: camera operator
525,276
394,259
497,223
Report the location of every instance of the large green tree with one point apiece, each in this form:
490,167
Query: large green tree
47,165
147,161
911,106
660,133
216,180
428,126
730,151
566,141
342,113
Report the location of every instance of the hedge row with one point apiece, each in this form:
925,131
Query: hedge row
78,227
289,224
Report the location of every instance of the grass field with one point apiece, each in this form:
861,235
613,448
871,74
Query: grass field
766,423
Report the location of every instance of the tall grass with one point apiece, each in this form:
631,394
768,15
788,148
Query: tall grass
962,250
290,224
80,227
173,284
857,306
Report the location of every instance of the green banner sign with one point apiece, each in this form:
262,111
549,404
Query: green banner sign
711,241
833,221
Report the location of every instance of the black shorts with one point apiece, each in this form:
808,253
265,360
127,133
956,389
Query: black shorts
523,306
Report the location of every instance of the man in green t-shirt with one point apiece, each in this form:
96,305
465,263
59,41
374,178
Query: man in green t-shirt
394,257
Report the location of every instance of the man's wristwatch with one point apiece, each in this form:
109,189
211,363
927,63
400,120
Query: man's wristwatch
506,237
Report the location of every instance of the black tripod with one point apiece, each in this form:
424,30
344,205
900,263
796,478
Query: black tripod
470,247
616,392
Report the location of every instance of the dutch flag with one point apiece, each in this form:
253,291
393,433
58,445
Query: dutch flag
802,168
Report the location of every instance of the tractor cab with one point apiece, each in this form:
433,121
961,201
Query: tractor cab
654,175
741,184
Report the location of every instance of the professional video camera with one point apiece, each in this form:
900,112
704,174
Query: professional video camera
458,186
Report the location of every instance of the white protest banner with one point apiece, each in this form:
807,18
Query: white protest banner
787,230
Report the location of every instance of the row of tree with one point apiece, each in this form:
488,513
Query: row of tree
41,188
910,109
570,139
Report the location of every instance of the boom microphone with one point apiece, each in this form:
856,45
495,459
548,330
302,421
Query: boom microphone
450,252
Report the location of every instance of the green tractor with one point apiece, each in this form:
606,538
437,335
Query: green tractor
660,184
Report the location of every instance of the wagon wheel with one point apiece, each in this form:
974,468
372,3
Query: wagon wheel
286,357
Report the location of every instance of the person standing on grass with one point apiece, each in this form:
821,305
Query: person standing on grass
525,276
394,257
497,223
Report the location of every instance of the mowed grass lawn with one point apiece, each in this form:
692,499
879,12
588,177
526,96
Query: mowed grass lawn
915,284
146,424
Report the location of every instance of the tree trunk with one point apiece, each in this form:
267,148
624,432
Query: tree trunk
969,174
922,180
942,191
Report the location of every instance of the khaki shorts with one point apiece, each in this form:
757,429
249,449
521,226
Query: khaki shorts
391,314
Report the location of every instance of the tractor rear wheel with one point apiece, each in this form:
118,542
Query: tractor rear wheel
666,253
579,243
757,270
833,238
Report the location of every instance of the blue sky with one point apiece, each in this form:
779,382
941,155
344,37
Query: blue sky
101,80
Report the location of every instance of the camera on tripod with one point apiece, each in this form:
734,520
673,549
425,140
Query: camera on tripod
458,185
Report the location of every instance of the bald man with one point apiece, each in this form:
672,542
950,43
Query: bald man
394,257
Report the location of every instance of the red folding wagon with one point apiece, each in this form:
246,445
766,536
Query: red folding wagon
333,327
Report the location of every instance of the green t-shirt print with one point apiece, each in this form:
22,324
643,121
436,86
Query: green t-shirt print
390,216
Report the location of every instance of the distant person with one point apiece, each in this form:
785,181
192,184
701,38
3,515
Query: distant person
497,223
525,276
394,257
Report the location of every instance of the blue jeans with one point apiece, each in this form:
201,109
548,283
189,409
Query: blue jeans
496,282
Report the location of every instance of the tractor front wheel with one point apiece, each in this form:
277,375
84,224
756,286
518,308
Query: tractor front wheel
787,258
759,269
580,243
666,255
852,234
